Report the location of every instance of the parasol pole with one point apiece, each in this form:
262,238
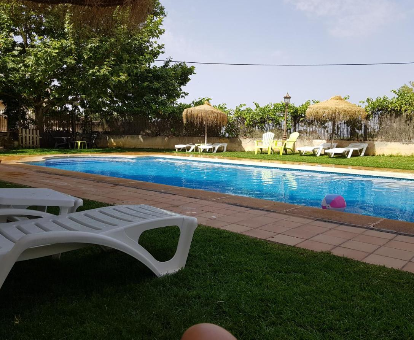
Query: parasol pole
205,134
333,130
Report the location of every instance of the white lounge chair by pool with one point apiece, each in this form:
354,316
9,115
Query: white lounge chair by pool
118,227
316,150
21,198
220,145
205,147
186,147
212,147
347,151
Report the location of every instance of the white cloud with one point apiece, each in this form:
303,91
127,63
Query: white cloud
277,54
350,18
179,46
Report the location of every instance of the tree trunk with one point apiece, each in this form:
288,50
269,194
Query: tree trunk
39,118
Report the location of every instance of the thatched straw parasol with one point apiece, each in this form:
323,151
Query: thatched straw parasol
335,109
205,114
98,3
97,14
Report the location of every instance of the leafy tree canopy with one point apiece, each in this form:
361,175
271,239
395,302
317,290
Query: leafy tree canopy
50,65
401,103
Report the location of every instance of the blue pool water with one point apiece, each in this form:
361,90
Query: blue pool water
366,195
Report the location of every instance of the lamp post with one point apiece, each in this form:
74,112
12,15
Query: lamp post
287,102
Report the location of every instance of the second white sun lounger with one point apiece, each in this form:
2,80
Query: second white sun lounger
316,150
212,147
347,151
186,147
205,147
220,145
118,227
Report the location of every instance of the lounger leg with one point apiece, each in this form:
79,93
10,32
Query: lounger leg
363,152
179,260
131,236
318,153
5,267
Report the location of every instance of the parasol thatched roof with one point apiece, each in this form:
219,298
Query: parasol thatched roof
97,3
205,115
97,14
335,108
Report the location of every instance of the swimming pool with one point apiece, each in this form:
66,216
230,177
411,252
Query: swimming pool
367,195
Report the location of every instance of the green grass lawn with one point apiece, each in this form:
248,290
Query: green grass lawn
385,162
255,289
46,151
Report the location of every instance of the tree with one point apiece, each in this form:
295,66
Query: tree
57,66
401,104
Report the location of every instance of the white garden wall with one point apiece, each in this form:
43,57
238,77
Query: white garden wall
237,144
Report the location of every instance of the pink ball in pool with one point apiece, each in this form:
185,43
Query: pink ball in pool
334,202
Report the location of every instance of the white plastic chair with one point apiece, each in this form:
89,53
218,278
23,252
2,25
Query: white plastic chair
265,143
118,227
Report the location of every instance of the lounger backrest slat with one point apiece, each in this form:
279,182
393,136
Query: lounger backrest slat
83,223
28,229
11,232
96,215
118,215
5,243
145,212
6,240
132,216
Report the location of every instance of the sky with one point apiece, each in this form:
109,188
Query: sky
291,32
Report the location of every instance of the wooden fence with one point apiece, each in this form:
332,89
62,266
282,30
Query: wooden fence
29,138
3,123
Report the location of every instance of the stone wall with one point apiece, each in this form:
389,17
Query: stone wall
237,144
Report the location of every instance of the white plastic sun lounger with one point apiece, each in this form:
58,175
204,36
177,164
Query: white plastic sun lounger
359,147
205,147
21,198
186,147
316,150
220,145
118,227
212,147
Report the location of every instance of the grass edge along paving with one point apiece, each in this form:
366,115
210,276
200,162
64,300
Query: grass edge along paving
253,288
